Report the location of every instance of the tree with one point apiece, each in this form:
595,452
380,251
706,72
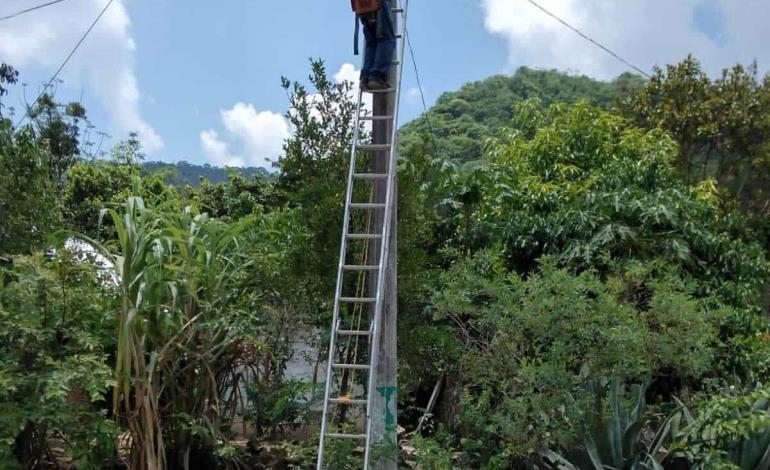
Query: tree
585,185
28,198
314,168
238,197
722,126
92,186
461,121
8,76
574,227
56,325
58,130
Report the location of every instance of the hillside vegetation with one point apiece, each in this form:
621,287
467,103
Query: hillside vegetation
462,120
189,174
583,276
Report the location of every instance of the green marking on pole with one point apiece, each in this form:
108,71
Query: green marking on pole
388,392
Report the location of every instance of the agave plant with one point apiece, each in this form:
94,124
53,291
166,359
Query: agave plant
614,440
176,272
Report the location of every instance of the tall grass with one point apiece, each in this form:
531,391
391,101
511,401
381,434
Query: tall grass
178,345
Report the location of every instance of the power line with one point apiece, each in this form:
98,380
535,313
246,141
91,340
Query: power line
19,13
584,36
422,95
74,49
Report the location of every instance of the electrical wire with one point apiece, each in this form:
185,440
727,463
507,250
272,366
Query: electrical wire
586,37
19,13
422,95
72,53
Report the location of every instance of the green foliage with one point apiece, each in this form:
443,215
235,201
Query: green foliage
182,174
237,197
8,76
463,120
685,329
90,188
341,454
535,261
282,408
614,436
93,186
179,338
58,129
55,336
721,125
28,206
532,346
314,171
728,429
583,185
432,454
529,343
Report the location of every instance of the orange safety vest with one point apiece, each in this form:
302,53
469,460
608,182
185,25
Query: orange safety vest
365,6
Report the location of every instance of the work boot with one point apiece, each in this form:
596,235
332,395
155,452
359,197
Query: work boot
376,83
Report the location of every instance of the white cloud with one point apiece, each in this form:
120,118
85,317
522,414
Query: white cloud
644,32
261,134
104,63
413,95
349,73
217,151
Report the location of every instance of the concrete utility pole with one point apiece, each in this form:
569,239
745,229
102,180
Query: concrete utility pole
384,420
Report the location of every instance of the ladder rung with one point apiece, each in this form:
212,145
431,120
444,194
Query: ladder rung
355,267
354,332
395,62
373,146
366,205
376,118
351,366
358,300
347,401
335,435
364,236
399,36
398,10
370,176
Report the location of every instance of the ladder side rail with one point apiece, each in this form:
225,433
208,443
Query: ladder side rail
340,274
385,246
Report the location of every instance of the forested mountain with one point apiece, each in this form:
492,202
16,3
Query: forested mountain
462,120
184,173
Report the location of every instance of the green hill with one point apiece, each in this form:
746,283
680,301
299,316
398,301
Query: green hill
462,120
184,173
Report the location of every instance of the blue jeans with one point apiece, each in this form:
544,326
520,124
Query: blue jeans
380,43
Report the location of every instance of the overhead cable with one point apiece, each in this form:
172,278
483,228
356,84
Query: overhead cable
63,64
19,13
422,95
586,37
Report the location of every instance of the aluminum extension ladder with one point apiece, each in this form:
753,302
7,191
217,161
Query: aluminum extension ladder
342,394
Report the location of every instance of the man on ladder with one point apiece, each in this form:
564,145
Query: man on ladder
364,409
375,16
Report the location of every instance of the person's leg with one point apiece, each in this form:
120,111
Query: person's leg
386,43
370,53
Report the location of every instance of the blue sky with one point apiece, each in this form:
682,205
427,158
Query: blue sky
200,79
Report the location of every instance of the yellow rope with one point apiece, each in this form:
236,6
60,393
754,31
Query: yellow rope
358,308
